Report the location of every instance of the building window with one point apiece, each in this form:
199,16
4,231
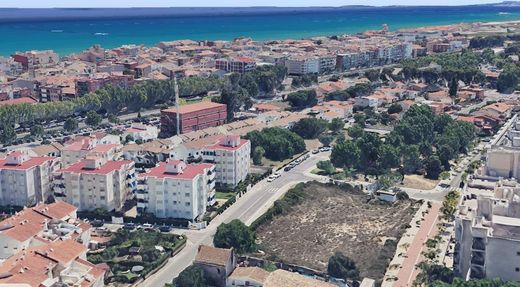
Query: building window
517,269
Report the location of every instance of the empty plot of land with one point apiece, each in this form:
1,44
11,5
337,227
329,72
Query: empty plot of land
333,219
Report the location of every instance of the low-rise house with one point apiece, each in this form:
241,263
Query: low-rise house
59,263
217,263
39,225
247,276
141,132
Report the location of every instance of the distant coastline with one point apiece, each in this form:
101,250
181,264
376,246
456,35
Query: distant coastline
72,30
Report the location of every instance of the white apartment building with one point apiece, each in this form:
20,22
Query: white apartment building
94,182
89,147
25,180
178,190
232,158
503,159
487,233
302,65
31,226
140,132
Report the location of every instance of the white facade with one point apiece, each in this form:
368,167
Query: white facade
487,235
142,132
301,66
90,147
232,158
25,180
230,154
96,183
177,190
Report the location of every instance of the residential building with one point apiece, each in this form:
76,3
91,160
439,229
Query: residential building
178,190
217,263
59,263
193,117
36,59
41,224
141,132
94,182
236,64
101,80
232,158
258,277
25,180
487,234
81,148
301,65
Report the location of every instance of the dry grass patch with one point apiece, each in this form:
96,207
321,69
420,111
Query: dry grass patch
332,218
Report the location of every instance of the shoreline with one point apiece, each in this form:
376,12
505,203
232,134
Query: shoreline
90,38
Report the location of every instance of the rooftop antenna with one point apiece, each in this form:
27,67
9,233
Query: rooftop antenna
177,108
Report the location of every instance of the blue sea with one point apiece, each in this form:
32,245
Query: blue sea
67,33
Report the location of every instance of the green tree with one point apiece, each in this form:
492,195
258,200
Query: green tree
395,108
113,119
356,131
411,158
341,266
93,119
192,276
326,166
258,155
453,87
235,234
336,125
278,143
433,168
309,128
37,130
70,125
346,155
7,133
508,80
302,99
325,139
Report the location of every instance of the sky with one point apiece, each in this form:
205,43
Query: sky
224,3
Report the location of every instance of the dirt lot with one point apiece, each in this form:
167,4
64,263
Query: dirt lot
419,182
332,219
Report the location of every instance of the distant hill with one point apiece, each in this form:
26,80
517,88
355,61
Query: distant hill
22,15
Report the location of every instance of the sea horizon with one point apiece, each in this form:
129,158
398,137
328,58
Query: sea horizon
149,26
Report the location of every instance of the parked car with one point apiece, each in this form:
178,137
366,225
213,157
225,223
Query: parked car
129,226
165,228
315,151
287,168
97,223
271,178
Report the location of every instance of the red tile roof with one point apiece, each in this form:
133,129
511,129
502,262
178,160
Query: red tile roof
23,100
221,146
189,173
195,107
30,163
30,221
107,168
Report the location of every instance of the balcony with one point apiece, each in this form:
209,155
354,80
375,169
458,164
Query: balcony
478,258
477,272
478,244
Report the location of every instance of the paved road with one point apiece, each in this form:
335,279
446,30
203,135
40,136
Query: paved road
247,209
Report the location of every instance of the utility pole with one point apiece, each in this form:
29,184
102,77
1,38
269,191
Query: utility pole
177,106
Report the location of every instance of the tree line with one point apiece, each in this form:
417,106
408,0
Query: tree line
420,142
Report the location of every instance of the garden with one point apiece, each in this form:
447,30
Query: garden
134,255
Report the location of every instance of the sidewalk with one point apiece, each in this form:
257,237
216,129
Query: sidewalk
402,271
